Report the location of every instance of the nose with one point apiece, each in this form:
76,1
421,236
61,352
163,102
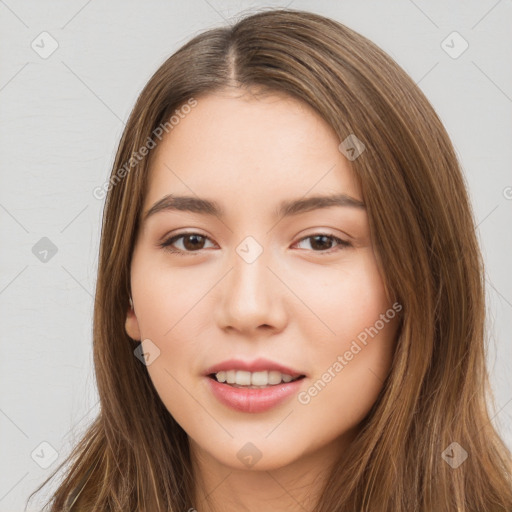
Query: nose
252,297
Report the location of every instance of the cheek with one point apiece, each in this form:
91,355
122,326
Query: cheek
174,312
344,298
347,379
168,299
351,348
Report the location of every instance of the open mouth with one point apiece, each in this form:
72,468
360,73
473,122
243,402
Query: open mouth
222,379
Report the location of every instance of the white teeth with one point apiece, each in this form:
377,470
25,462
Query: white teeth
244,378
275,377
221,376
258,378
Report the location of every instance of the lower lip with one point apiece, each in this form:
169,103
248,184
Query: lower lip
253,400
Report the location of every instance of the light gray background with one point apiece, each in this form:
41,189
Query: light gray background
61,120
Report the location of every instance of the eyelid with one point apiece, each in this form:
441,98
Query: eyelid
340,243
167,242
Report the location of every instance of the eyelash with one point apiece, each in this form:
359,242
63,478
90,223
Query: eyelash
167,244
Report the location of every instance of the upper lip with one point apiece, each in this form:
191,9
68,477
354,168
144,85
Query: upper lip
258,365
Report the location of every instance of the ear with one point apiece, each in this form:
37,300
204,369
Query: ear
132,325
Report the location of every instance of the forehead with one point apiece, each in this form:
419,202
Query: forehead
237,146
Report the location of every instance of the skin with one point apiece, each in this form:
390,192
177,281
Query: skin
300,303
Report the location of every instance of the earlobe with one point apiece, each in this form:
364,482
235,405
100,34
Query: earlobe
132,325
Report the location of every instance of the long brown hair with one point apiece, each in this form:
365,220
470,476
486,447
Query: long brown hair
136,457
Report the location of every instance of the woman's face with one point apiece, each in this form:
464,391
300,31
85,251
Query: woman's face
296,286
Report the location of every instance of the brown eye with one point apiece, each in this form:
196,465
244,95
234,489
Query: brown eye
322,243
192,242
195,242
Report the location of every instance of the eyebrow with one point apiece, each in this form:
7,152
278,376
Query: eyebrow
285,209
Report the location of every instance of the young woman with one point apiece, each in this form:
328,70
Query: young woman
290,305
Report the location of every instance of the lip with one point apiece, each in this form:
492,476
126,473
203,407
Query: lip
258,365
253,400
